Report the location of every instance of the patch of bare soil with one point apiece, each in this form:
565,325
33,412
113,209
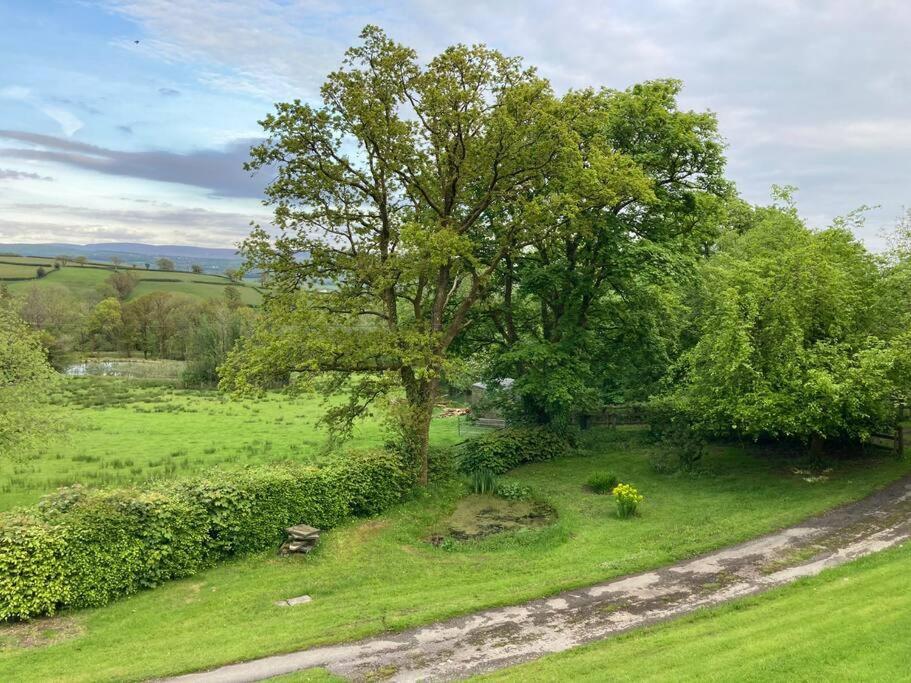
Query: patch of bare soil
39,633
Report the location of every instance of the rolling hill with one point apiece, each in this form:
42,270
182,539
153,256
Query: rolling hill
21,272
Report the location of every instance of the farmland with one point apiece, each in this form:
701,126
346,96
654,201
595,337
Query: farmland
124,432
84,281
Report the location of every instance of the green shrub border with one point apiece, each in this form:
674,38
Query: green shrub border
504,449
85,548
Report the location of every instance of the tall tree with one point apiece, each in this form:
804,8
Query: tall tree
797,335
406,188
628,208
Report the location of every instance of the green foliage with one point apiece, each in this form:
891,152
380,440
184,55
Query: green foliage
797,335
628,500
603,482
442,462
406,186
84,547
482,481
25,380
501,450
675,435
512,490
590,313
216,327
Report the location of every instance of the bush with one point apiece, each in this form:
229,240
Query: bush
504,449
82,547
628,500
511,490
441,462
603,482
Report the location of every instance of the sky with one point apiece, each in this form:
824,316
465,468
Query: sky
129,120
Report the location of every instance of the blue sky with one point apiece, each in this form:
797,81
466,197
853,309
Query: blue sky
106,139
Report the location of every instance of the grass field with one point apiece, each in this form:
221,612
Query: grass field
848,624
84,281
383,573
124,432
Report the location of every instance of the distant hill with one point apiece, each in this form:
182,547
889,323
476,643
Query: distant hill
213,260
21,273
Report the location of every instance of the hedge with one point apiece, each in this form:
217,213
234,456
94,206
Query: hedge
502,450
82,548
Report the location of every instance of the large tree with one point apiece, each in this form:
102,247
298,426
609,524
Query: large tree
405,189
589,312
797,334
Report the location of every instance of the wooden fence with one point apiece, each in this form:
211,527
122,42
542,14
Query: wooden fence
897,439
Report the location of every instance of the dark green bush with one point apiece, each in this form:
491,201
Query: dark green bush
603,482
82,548
502,450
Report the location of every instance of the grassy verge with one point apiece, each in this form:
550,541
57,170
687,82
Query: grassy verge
382,574
849,624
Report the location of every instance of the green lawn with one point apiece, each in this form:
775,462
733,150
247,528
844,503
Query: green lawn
848,624
124,432
370,576
85,281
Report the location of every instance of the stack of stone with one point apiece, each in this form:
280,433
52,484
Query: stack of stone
301,539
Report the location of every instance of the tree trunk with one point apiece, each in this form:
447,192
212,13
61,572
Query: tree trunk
421,395
817,448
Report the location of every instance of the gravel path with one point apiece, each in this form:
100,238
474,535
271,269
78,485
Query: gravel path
496,638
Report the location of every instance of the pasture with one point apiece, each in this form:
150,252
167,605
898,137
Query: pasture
383,573
84,281
124,432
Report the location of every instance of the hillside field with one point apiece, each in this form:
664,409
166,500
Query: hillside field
124,432
84,281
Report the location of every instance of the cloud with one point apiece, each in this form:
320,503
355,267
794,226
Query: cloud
168,92
218,170
177,225
12,174
69,123
125,129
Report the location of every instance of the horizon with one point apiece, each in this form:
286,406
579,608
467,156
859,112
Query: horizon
122,121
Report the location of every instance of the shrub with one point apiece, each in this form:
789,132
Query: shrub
483,481
603,482
511,490
441,462
504,449
84,547
628,500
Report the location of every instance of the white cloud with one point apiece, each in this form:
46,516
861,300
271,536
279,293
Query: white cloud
69,123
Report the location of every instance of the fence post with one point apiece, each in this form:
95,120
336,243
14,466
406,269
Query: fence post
900,440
